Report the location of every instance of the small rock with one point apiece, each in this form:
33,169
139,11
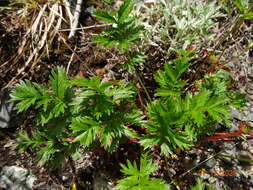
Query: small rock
238,115
234,127
249,117
211,163
64,178
5,114
172,172
211,179
16,178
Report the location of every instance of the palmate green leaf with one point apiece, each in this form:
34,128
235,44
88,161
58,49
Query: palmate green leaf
27,93
165,119
87,130
124,31
124,10
123,93
105,16
167,142
203,106
94,83
121,35
59,83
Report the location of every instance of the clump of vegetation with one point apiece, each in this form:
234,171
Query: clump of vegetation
183,23
87,113
124,32
95,113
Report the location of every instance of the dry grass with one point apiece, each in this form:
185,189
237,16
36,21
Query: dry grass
42,21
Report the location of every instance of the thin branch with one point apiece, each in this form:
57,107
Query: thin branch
86,27
75,18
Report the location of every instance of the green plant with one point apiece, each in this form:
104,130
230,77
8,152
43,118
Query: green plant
169,79
124,29
76,112
201,185
104,109
179,117
138,177
244,7
221,84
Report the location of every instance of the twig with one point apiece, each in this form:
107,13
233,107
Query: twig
143,86
86,27
75,18
77,56
70,61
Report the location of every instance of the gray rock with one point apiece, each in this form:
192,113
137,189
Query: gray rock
172,172
16,178
249,117
238,115
211,163
212,180
5,114
234,127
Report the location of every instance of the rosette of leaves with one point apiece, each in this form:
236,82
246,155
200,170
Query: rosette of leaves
75,112
139,177
179,117
103,109
165,127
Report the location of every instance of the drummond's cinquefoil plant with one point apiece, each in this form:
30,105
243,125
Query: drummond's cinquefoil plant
74,113
178,117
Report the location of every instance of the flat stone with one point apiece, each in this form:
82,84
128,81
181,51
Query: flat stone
16,178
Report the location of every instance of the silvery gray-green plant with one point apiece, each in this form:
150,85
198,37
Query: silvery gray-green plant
179,23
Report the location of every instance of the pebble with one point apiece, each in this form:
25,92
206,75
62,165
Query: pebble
211,163
16,178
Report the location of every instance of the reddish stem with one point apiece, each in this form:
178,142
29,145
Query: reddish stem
223,136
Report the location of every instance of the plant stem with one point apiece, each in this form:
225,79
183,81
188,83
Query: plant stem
236,158
143,86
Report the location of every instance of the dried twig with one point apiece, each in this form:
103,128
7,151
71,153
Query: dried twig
74,22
